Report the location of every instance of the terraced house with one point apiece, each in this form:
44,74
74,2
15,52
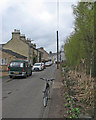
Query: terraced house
19,44
6,57
45,55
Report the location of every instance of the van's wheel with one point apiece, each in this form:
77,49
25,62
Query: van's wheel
27,74
31,73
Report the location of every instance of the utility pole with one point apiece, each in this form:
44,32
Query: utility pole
57,52
57,33
60,56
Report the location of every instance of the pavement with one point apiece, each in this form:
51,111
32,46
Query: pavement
3,74
56,107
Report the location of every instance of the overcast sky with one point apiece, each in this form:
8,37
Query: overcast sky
37,19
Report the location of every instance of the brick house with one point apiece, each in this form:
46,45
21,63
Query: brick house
7,56
19,44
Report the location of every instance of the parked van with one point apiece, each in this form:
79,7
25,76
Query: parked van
19,68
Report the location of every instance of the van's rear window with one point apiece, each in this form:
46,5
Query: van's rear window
16,64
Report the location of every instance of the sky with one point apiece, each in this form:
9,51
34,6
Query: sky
38,20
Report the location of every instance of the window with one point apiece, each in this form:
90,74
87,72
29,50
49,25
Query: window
3,61
16,64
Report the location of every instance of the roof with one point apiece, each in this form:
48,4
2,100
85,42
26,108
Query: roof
41,48
29,44
13,53
39,51
52,54
55,53
19,61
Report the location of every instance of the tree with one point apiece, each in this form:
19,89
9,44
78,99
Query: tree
80,44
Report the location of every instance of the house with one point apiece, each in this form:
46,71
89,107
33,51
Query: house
61,56
7,56
50,56
35,53
55,56
19,44
40,56
45,55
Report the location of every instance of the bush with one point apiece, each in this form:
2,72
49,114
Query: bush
67,105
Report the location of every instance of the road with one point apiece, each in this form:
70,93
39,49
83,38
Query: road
23,98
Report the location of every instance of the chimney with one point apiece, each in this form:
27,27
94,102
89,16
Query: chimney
22,37
16,34
34,45
29,40
41,48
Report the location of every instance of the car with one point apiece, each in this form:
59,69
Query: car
48,64
43,64
56,62
51,62
37,67
19,68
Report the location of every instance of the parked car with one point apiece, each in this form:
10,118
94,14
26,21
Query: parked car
56,61
19,68
37,67
49,63
43,64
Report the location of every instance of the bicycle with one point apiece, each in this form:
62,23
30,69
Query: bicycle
46,91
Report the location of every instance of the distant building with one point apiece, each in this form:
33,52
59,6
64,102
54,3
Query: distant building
61,56
54,57
45,55
7,56
50,57
40,56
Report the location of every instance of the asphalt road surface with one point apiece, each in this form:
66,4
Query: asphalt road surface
23,97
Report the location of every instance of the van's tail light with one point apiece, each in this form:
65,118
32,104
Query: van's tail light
9,69
23,70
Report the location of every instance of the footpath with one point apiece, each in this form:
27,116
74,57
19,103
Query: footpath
3,74
56,107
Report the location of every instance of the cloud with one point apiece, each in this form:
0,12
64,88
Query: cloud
37,20
45,16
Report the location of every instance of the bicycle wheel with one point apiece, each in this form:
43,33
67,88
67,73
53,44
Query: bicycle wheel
45,101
